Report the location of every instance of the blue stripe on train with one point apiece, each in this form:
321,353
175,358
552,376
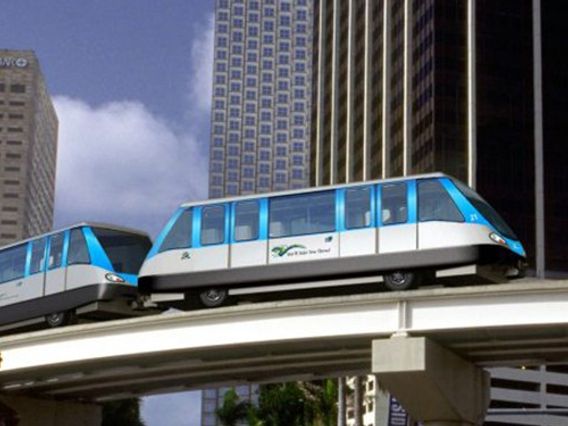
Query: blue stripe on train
471,215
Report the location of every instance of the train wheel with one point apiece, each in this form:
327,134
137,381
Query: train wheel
59,319
402,280
213,297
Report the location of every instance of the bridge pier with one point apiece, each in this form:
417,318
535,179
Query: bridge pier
47,412
434,385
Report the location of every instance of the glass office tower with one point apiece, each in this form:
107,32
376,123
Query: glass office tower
261,96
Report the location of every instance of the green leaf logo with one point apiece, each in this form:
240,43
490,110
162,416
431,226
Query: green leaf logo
280,251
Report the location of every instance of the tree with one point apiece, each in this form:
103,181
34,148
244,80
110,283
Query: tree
320,402
125,412
281,404
232,411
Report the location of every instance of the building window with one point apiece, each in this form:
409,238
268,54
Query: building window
297,174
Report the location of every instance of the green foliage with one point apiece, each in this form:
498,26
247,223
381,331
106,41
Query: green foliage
297,404
281,404
232,411
125,412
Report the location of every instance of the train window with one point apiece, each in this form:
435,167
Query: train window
13,263
38,256
125,250
212,225
180,234
246,221
486,210
302,214
358,208
434,203
78,251
393,204
55,251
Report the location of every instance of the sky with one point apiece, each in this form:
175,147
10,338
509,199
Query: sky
131,84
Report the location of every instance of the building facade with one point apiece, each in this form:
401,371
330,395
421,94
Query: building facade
412,86
28,148
472,88
261,96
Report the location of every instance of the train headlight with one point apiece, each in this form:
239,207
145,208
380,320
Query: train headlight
113,278
498,239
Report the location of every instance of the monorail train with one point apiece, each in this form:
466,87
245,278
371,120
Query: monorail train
49,277
404,229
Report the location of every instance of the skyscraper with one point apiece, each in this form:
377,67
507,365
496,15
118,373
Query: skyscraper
28,148
260,108
408,86
473,88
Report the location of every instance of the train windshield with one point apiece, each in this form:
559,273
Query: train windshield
126,251
486,210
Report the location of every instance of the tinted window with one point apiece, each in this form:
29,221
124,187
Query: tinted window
180,234
393,204
302,214
212,225
38,256
357,208
486,210
55,251
246,221
434,203
78,252
126,251
13,263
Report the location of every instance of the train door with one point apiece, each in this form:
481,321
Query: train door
56,271
248,227
398,228
303,227
212,245
358,231
35,282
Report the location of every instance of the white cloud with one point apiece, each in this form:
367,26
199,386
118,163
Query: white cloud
201,83
119,163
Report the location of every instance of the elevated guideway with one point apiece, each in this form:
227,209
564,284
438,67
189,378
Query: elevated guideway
507,324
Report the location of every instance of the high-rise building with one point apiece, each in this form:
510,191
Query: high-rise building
261,96
28,148
411,86
473,88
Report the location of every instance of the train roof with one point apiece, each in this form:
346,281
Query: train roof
78,225
312,189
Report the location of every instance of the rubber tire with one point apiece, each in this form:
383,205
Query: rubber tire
60,319
402,280
214,297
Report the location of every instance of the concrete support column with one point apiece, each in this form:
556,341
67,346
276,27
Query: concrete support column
47,412
434,385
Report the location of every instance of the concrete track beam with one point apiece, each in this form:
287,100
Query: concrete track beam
434,385
47,412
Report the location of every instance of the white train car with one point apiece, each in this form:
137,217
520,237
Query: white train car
51,276
403,229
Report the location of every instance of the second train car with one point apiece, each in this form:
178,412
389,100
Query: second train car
404,229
